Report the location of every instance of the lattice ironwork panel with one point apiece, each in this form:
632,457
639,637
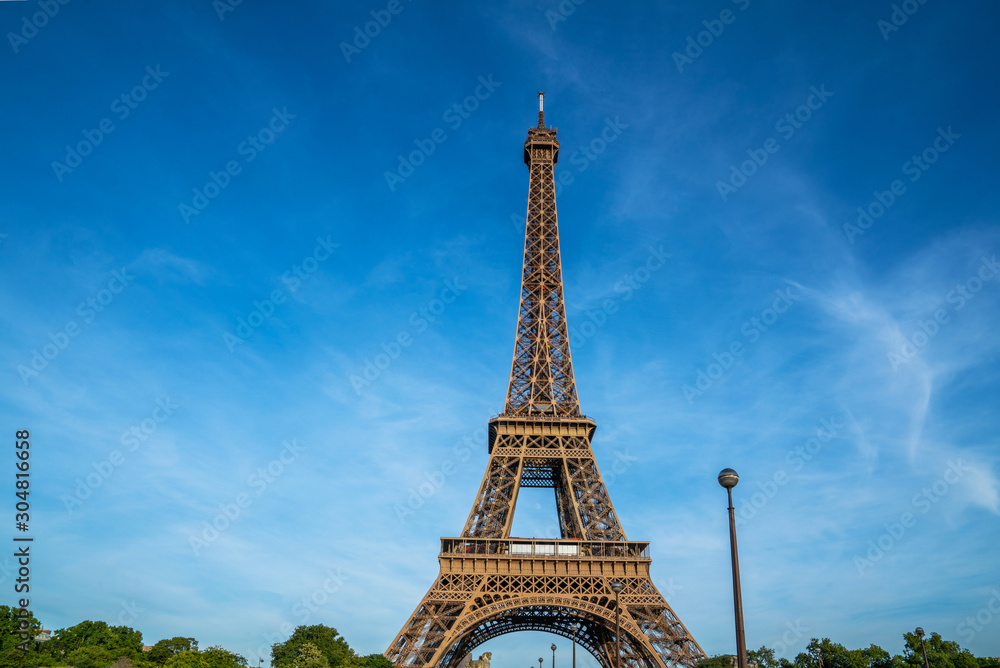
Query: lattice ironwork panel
541,378
526,584
494,507
534,474
570,522
666,633
593,504
460,583
425,632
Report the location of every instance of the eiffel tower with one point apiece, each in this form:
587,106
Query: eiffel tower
491,584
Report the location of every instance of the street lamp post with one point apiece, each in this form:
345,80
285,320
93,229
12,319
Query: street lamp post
818,653
574,628
617,587
728,479
553,655
920,634
539,662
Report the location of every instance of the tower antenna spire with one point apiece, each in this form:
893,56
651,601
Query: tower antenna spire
541,109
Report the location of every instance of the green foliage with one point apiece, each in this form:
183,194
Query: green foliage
311,657
165,649
379,661
941,653
213,657
97,645
10,655
117,641
835,655
352,662
90,657
717,661
326,639
876,657
9,624
801,661
186,659
763,657
217,657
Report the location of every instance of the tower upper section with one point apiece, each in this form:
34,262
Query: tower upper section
541,377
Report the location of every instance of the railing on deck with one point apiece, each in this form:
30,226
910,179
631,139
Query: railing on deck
534,417
541,547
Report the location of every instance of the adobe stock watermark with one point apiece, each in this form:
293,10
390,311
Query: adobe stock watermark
583,156
122,107
132,438
975,624
292,278
563,11
929,328
249,149
88,310
31,25
794,632
914,168
363,35
752,329
796,459
129,612
922,502
231,511
419,321
581,159
434,481
620,465
303,609
307,605
786,127
696,44
669,589
900,14
629,284
223,7
7,569
454,116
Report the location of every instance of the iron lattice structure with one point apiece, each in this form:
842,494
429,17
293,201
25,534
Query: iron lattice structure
491,584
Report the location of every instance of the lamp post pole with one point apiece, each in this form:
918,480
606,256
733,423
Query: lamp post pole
617,587
553,655
728,479
920,634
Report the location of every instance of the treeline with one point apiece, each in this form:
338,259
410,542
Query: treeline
823,653
98,645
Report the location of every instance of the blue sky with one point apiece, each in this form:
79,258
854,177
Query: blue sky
188,293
